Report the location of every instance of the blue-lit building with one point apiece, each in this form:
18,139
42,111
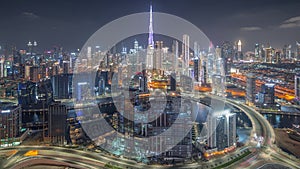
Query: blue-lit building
84,85
34,99
101,82
62,86
266,97
34,95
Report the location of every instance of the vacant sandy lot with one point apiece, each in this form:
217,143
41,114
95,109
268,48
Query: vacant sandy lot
283,141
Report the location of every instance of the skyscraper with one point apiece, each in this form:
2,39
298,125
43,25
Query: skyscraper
66,66
267,95
297,86
211,133
196,49
62,86
221,135
10,120
34,74
250,90
231,129
150,49
57,120
298,50
89,56
218,64
257,52
157,58
239,46
221,130
136,45
173,82
175,53
1,67
289,52
269,53
186,50
197,67
239,50
227,55
150,39
277,56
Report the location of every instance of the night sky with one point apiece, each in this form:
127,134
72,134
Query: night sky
70,23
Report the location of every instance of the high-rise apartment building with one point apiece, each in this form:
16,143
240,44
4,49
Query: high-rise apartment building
297,86
57,123
250,88
10,123
257,52
266,96
186,50
34,74
221,130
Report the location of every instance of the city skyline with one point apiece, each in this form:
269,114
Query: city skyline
70,25
201,85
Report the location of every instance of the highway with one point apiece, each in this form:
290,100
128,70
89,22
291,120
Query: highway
269,151
66,157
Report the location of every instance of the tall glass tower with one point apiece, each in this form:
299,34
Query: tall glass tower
149,62
150,39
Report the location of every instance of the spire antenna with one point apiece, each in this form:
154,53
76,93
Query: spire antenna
150,39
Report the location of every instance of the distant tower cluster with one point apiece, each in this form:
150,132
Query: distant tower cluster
267,54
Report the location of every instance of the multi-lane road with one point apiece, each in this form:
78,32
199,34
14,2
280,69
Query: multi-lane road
269,151
68,157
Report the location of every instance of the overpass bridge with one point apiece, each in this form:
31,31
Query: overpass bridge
278,112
